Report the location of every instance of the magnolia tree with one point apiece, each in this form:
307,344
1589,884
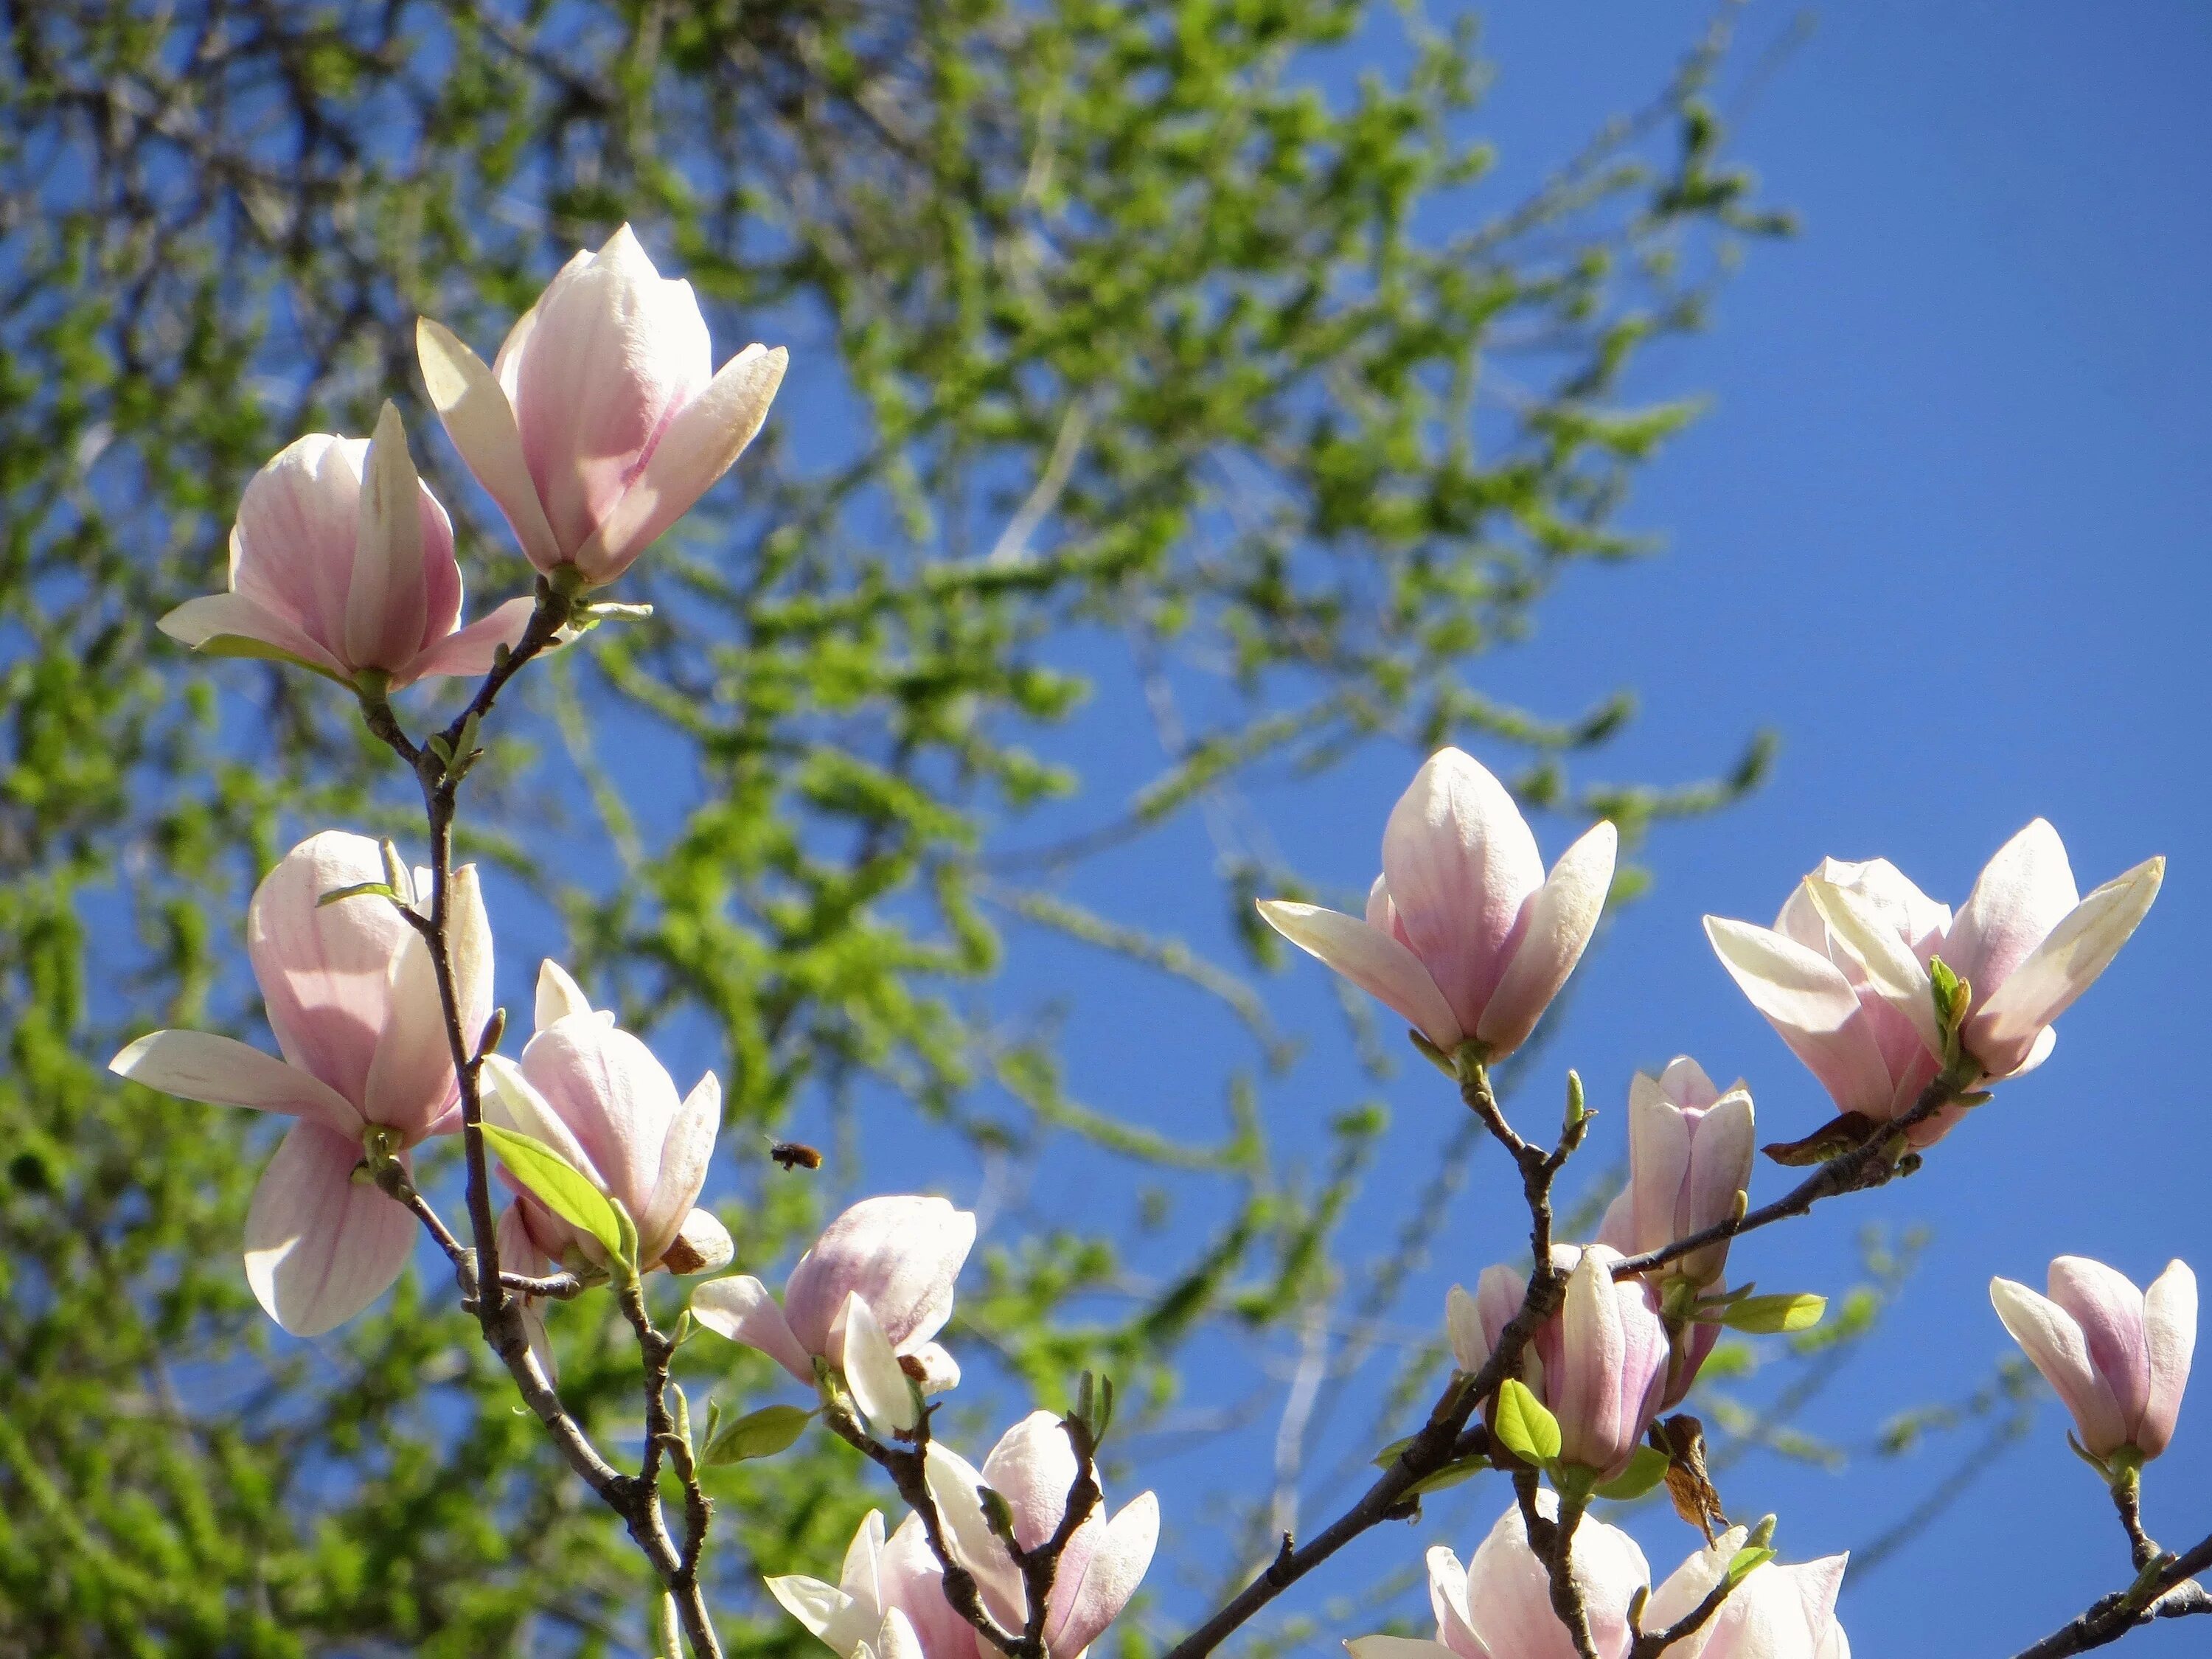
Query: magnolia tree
599,423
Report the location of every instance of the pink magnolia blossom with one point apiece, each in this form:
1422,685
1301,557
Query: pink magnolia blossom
882,1581
603,419
1844,976
900,1256
1499,1606
1690,1152
1599,1364
342,560
1033,1466
1464,935
2118,1357
352,997
597,1095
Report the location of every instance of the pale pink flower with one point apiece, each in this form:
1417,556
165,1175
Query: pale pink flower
603,419
342,560
899,1255
882,1581
352,997
1033,1466
1599,1364
1776,1611
2118,1357
1844,975
1690,1152
1465,935
596,1095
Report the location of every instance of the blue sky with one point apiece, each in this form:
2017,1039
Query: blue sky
1943,529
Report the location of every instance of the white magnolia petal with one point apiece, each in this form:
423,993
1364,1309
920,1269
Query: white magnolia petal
558,994
1890,965
879,1384
1373,961
480,420
2068,962
220,1071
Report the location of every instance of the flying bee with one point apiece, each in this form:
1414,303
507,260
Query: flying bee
795,1155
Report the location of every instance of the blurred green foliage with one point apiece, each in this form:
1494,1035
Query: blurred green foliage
1175,331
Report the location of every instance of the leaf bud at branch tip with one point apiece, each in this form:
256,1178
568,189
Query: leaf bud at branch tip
494,1030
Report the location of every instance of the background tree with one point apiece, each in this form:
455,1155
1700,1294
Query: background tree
1134,344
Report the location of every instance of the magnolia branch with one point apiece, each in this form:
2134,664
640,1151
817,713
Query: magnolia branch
494,1296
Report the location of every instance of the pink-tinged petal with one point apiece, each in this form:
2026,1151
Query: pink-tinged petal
386,599
1373,961
843,1622
1720,1155
702,442
1807,1000
1448,1600
2064,964
231,625
519,1253
1116,1566
1031,1468
913,1583
683,1157
954,1484
1890,965
861,1576
741,1309
469,925
2050,1339
558,994
2108,1310
2022,893
702,1245
1382,913
480,420
615,352
326,970
2170,1334
1885,889
940,1371
511,1100
292,547
1587,1365
410,1074
1410,1647
1690,1583
1556,930
1684,1082
616,1099
1463,1330
507,364
871,1370
473,650
902,1254
1691,1350
1509,1592
216,1070
1658,1165
320,1246
1461,865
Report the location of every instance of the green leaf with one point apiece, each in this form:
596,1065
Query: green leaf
1744,1560
763,1433
1389,1455
1523,1426
565,1191
1770,1315
1645,1470
1451,1474
383,890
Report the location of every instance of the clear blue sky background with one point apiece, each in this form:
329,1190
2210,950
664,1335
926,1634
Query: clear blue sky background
1944,528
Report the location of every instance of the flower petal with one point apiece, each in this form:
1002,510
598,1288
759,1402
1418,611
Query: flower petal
558,994
2108,1310
900,1253
231,625
702,1245
1373,961
1808,1000
2063,965
702,443
1109,1577
2170,1334
2050,1339
953,1483
683,1159
840,1621
320,1246
2022,893
480,420
385,597
1556,929
473,650
741,1309
221,1072
1032,1467
1891,966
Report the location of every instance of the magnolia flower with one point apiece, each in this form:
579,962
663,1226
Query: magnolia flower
342,560
1689,1155
1033,1468
1499,1605
1844,977
603,419
898,1257
1599,1364
352,997
881,1582
597,1095
1465,935
2118,1357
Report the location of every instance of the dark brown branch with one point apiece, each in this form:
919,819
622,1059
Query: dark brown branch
2162,1591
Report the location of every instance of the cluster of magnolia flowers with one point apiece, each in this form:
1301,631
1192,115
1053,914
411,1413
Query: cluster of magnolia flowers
1882,993
600,423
